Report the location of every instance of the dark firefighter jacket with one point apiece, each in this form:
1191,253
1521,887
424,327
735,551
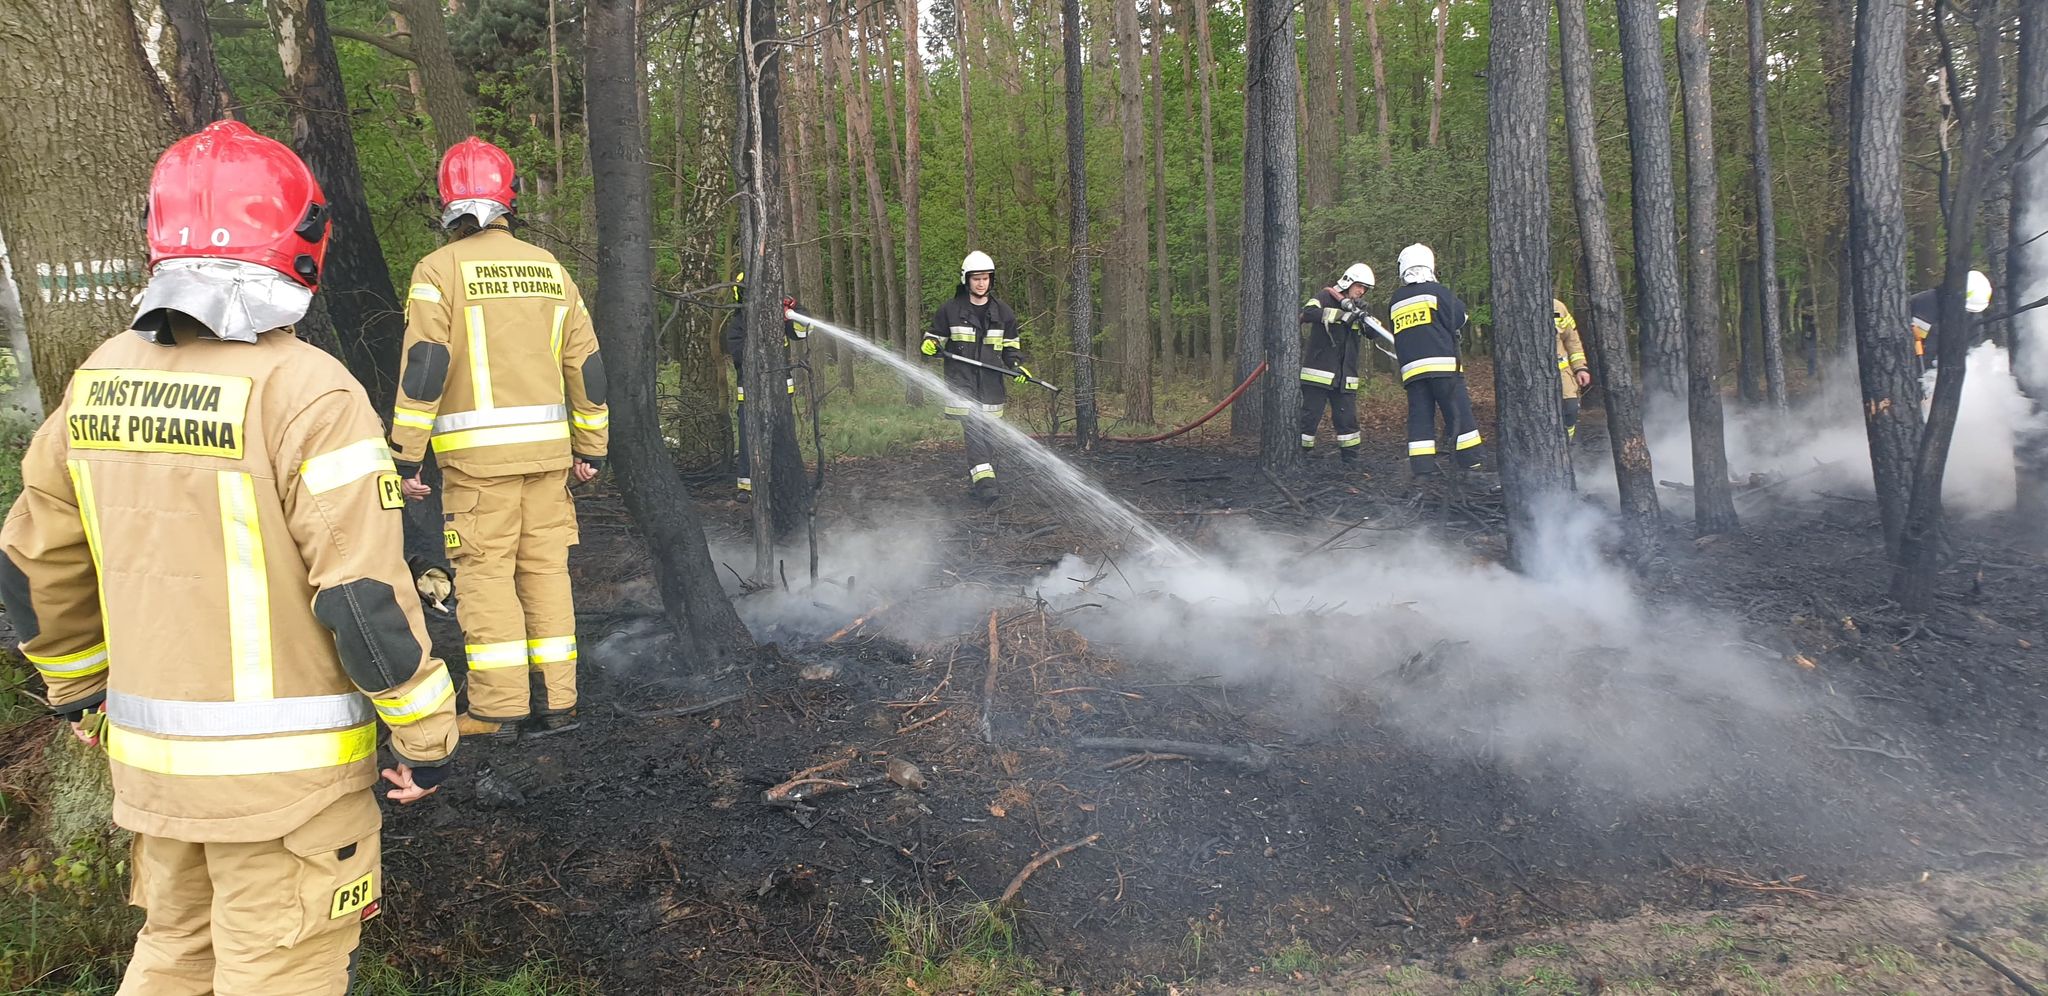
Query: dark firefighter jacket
1329,355
986,332
736,342
1426,318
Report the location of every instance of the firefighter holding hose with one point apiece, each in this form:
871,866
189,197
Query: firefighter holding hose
975,331
1336,318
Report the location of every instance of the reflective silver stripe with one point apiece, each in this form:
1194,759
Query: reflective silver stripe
84,662
1406,302
992,410
347,465
1430,364
424,292
1421,447
962,333
254,718
518,415
1468,440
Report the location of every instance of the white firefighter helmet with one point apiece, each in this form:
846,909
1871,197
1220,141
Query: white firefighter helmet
976,262
1359,273
1977,296
1417,263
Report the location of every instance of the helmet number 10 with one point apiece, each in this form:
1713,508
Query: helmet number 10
220,237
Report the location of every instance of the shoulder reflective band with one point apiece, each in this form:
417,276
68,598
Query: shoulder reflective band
591,421
347,465
424,292
485,418
552,650
175,718
248,594
412,418
479,357
241,756
88,516
91,660
490,656
505,436
420,702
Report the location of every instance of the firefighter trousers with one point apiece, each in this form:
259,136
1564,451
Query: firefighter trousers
508,539
745,460
1571,420
980,434
270,918
1426,397
1343,407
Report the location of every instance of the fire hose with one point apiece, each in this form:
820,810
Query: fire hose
1213,412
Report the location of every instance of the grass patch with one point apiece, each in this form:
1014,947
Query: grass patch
1296,958
946,948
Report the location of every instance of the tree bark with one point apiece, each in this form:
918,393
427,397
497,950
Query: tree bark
1877,238
191,73
1659,294
1320,128
447,91
22,395
1134,326
1749,361
961,14
1536,472
1206,66
1436,87
1247,417
1379,81
876,21
1280,270
709,631
1919,563
1347,66
888,307
1080,291
84,121
1161,265
2027,267
1766,213
1637,484
913,153
1713,498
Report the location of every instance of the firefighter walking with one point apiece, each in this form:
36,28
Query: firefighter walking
736,350
975,325
1427,318
1335,317
207,548
1573,374
501,376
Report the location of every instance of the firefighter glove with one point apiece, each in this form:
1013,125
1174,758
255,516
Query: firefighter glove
930,347
1023,374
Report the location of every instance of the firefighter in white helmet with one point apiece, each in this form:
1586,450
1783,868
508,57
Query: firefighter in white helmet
1926,310
975,325
1427,318
204,567
1336,320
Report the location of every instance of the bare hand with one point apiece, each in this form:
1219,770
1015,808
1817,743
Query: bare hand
407,792
414,488
584,472
87,732
1585,378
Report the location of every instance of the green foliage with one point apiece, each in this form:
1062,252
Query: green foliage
16,428
939,948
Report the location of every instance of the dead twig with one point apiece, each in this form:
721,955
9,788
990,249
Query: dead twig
1040,862
688,710
798,790
1284,493
988,684
1250,757
927,721
1787,886
1996,965
1134,696
1143,757
859,622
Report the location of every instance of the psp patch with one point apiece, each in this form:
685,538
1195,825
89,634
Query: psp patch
353,897
390,493
449,539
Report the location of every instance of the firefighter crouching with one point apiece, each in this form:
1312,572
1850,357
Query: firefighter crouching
1427,318
207,548
1335,317
974,325
502,375
1572,372
1925,308
736,350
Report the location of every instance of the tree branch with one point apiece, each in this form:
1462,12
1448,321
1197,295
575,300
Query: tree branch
389,43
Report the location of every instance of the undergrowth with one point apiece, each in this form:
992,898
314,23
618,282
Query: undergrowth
947,948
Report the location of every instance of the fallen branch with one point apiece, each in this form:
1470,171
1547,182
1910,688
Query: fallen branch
1134,696
1998,966
1783,886
858,622
1284,493
1040,862
1251,758
799,790
688,710
927,721
988,684
1143,757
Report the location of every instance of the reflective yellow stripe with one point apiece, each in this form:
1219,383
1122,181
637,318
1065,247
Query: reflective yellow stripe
412,418
89,518
479,358
1013,344
1311,375
241,756
1578,358
954,410
600,419
1422,447
555,335
551,650
421,702
91,660
1468,440
488,656
501,436
347,465
248,587
424,292
982,472
1428,365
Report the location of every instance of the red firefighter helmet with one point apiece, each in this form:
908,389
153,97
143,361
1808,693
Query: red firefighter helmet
476,170
230,193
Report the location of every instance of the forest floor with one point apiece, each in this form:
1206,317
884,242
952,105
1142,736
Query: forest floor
1741,772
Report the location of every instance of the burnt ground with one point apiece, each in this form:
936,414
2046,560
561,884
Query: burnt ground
645,855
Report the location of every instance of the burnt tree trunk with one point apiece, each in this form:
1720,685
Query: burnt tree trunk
84,121
185,55
1280,270
1877,242
1771,324
1536,471
1640,514
1248,415
1080,292
708,629
1659,294
1713,498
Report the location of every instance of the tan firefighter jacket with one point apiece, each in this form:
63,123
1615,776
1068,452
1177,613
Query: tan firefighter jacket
1571,352
207,540
501,370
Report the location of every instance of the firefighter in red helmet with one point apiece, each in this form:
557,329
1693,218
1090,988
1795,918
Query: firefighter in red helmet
502,378
204,568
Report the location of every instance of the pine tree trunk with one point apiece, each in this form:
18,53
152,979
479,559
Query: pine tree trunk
913,153
1134,326
1347,66
1536,471
1080,296
1379,80
1321,130
1161,264
961,14
1659,294
447,95
1436,87
1748,335
1877,238
2027,269
1713,497
1206,66
887,306
880,39
185,61
1247,417
1637,484
1280,270
84,121
697,607
1771,324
